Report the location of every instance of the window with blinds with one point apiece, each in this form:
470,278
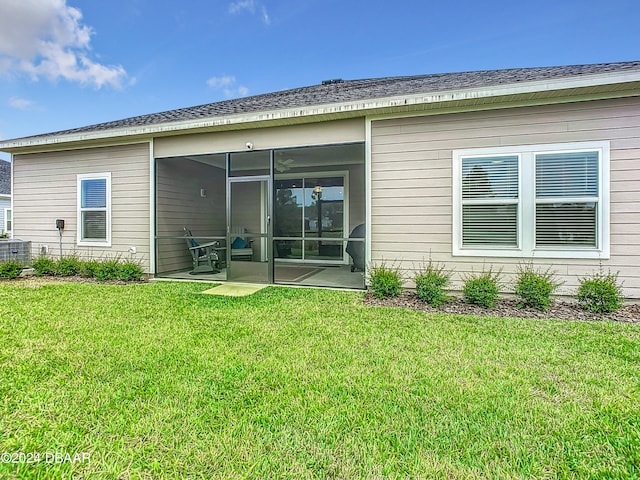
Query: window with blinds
93,208
490,201
567,196
534,200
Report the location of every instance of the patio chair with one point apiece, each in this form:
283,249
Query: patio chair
356,249
241,248
205,257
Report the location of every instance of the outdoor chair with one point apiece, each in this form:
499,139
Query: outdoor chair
355,249
241,248
205,256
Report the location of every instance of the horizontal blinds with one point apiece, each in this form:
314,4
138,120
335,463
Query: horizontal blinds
94,225
94,193
573,174
490,201
566,224
490,177
490,225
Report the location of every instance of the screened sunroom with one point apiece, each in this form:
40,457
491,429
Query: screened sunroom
287,216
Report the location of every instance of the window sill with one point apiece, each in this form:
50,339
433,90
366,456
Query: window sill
94,244
568,253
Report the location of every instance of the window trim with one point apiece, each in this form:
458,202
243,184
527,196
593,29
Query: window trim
7,230
527,202
93,242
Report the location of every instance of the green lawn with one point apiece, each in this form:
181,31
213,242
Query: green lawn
157,381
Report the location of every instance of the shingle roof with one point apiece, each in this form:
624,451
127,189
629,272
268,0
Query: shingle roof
353,90
5,178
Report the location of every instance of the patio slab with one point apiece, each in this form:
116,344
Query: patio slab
235,289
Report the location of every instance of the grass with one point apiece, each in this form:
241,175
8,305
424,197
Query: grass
157,381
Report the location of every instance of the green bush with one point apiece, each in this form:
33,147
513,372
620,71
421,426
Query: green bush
10,269
130,271
67,266
107,270
482,289
88,268
600,293
385,281
431,284
44,266
535,287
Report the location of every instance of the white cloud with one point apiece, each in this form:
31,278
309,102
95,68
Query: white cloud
250,6
228,85
21,103
46,38
237,7
265,16
224,81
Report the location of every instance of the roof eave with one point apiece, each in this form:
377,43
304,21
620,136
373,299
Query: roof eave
499,94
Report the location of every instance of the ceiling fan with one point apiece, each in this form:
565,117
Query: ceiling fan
283,165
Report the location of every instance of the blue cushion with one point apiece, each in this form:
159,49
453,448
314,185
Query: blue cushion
239,243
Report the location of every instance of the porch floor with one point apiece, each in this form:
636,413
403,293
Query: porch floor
290,274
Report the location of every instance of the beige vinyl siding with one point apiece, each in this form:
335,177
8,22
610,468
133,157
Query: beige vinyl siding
340,131
411,182
45,189
179,205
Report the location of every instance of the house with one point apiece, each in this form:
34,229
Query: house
469,169
5,198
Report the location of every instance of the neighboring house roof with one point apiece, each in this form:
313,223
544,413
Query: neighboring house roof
5,178
345,91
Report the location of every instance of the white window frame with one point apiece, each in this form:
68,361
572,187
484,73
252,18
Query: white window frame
527,203
93,242
7,230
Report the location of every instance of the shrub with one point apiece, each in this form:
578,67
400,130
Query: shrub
107,270
600,293
67,266
431,283
130,271
10,269
385,281
88,268
44,266
482,289
535,287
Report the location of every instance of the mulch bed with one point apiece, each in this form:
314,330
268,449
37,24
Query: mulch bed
35,280
507,307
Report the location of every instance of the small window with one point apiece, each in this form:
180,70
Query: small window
532,201
94,209
8,221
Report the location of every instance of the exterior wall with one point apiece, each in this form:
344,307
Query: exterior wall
342,131
45,188
179,205
411,182
4,203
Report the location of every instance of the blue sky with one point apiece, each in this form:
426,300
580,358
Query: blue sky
70,63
